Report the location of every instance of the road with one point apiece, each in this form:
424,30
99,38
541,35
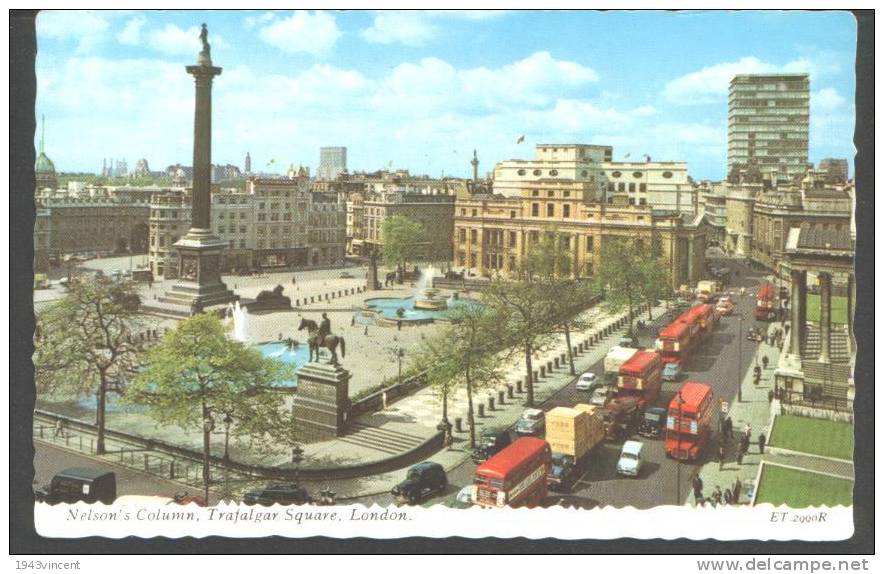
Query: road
716,363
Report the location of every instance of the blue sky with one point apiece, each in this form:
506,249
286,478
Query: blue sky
421,89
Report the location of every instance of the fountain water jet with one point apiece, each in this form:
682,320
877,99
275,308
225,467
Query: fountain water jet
427,296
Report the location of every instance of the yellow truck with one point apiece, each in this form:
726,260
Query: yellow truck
708,290
574,435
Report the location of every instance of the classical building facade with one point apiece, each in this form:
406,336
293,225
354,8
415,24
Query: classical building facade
69,224
768,123
270,225
492,233
812,205
660,184
712,202
433,212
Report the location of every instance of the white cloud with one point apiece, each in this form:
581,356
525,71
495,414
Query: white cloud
314,33
86,27
827,99
131,33
251,21
408,28
710,84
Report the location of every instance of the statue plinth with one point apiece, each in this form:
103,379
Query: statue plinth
322,402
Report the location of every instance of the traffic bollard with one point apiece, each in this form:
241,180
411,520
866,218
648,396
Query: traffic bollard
481,410
500,397
519,386
490,403
458,424
509,391
556,362
542,371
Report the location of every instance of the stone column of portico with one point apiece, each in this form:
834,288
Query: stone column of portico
825,315
799,295
851,298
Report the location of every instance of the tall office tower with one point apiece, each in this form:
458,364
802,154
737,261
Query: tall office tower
248,163
332,162
768,123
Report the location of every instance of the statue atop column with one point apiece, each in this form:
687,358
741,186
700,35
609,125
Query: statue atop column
205,55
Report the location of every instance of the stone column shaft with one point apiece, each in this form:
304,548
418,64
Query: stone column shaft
202,144
798,295
825,316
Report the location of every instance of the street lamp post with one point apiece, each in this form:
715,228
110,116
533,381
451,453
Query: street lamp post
208,427
678,427
227,421
399,352
297,459
740,361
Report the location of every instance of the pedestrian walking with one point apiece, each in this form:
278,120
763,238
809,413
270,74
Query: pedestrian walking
764,361
747,431
738,486
720,456
728,496
770,396
716,496
761,441
697,483
59,429
728,428
740,455
353,321
366,330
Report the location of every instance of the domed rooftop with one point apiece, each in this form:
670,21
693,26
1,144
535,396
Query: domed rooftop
44,165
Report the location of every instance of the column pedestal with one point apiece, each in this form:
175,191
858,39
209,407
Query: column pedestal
322,404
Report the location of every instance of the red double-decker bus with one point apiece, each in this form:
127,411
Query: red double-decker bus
689,421
516,476
641,377
677,340
764,302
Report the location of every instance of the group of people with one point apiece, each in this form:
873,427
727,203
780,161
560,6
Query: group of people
730,495
727,434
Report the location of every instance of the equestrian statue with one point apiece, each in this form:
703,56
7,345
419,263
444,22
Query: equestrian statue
321,336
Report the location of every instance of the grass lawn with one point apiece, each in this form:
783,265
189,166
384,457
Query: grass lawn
839,308
814,436
800,489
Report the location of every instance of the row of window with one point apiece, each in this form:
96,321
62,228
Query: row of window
496,237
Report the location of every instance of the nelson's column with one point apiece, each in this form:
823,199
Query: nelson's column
199,252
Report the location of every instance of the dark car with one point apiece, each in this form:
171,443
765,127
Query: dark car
563,473
653,423
277,494
422,481
79,485
489,444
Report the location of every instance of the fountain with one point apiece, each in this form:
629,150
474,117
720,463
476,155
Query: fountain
427,296
240,316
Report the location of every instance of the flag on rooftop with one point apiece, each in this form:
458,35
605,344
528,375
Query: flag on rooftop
521,139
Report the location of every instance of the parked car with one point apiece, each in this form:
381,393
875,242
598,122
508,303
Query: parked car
345,275
628,341
588,382
531,422
79,485
599,397
671,372
630,463
277,494
422,481
490,443
653,423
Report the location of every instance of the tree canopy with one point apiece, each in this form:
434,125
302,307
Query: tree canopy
403,239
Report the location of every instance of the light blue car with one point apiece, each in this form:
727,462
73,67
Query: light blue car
671,372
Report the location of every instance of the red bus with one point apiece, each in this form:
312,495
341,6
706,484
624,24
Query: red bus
705,317
689,421
516,476
641,377
764,302
676,341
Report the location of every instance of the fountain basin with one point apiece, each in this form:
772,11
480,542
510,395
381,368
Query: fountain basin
386,309
429,299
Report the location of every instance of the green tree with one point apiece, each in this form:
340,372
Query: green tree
548,257
86,343
403,239
526,319
629,277
463,353
196,377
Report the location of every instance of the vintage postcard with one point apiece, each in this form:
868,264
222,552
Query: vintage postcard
568,274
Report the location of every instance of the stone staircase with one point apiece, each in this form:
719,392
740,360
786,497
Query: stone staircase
381,439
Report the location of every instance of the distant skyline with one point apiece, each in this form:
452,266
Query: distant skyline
421,90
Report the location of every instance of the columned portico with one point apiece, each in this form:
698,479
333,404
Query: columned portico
799,312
